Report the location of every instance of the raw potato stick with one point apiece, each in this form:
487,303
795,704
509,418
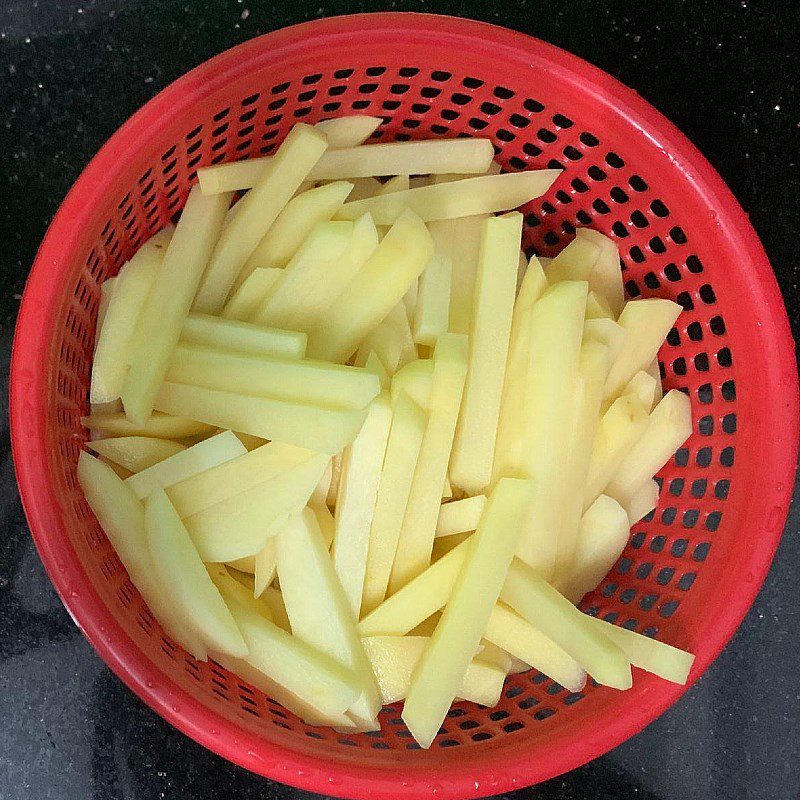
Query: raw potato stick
325,430
135,453
258,210
473,447
402,453
131,287
242,337
355,502
167,305
379,285
460,516
248,296
348,131
483,195
549,611
642,501
444,662
432,309
414,548
160,426
392,158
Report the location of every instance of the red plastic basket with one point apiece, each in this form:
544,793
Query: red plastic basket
690,572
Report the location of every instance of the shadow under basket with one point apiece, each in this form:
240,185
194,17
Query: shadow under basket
691,569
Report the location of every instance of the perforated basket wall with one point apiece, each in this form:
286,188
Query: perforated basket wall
691,569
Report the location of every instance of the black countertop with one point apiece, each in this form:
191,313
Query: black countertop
727,72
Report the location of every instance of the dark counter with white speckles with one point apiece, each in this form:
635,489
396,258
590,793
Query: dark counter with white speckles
726,72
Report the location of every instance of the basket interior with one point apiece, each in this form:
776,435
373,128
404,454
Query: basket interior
610,182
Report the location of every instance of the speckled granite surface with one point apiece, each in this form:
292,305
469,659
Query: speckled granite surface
725,71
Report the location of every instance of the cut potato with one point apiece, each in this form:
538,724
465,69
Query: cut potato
275,186
325,430
417,600
247,564
178,565
444,662
274,599
397,473
136,453
414,548
119,471
482,195
473,447
645,387
248,297
326,522
642,501
649,654
646,322
348,131
597,307
668,427
602,536
460,240
606,332
240,526
305,276
447,490
553,361
201,491
241,337
336,474
355,502
432,309
399,183
159,426
191,461
317,679
106,293
415,379
364,187
314,382
265,565
131,287
460,516
394,658
303,213
159,324
319,496
442,545
376,289
654,370
543,606
511,424
374,365
518,637
319,610
619,428
391,341
121,516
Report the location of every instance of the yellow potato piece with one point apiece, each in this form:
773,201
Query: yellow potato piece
106,293
242,337
391,341
473,447
191,461
159,426
419,523
642,501
645,387
522,641
668,427
511,424
597,307
460,516
432,308
320,611
402,452
293,225
313,382
247,564
348,131
131,287
201,491
265,565
257,211
136,453
159,324
442,545
248,296
326,522
355,502
399,183
394,658
647,323
121,516
274,599
555,616
379,285
240,526
414,379
460,239
649,654
319,681
444,662
325,430
655,372
602,536
606,332
178,565
554,353
482,195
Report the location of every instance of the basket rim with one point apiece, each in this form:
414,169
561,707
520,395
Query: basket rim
486,771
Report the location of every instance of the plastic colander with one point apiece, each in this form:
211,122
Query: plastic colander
691,569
